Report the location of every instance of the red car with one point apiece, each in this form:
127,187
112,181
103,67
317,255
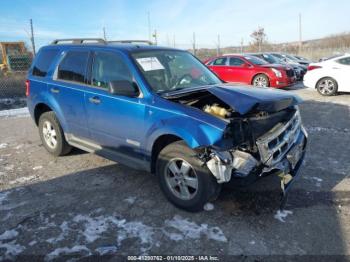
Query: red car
248,69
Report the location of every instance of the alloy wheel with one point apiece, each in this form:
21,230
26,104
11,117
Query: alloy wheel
260,81
49,134
181,179
326,86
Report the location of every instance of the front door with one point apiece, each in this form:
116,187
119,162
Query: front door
240,71
116,122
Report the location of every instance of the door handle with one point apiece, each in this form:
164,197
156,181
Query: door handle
54,90
95,100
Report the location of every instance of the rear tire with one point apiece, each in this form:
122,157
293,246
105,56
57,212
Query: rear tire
261,80
178,168
327,86
52,135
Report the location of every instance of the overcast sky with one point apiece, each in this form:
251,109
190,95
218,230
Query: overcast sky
127,19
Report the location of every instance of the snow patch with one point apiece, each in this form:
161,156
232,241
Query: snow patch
136,230
22,180
19,147
106,250
8,234
327,129
282,214
3,145
11,247
32,243
188,229
130,200
37,167
19,112
317,179
67,251
9,167
208,207
94,227
65,230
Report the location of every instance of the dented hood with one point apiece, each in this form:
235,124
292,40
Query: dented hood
245,98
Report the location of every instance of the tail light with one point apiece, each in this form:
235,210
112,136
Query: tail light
312,67
27,87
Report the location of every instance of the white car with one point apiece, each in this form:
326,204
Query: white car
329,77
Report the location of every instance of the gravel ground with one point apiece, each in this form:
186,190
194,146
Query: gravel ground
82,205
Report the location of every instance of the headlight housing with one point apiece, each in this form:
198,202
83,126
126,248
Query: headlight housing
278,73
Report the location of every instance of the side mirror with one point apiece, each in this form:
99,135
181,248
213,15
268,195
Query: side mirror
123,88
245,65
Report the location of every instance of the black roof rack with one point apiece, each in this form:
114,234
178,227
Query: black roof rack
131,42
79,41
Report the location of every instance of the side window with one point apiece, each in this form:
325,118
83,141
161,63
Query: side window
234,61
43,62
344,61
73,66
109,67
220,61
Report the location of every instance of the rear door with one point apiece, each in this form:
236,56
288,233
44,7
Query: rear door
220,67
67,90
116,122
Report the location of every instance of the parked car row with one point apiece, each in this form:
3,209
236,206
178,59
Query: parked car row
259,69
329,76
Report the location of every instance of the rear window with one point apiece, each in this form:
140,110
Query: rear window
344,61
43,62
73,66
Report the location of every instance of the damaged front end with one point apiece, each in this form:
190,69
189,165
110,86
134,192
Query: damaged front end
279,150
263,136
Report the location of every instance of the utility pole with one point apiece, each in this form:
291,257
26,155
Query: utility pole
300,34
194,43
155,37
104,34
242,46
149,26
32,36
174,41
218,46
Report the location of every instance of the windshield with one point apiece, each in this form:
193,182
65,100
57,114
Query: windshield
271,59
256,61
170,70
291,57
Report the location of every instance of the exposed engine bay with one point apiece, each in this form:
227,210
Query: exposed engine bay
267,138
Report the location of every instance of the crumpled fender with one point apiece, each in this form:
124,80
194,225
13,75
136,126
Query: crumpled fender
194,132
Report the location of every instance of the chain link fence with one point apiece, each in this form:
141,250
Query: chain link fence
13,72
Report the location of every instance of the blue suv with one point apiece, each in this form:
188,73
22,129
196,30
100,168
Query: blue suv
161,110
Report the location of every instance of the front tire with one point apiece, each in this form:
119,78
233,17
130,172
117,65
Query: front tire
52,135
184,179
327,86
261,80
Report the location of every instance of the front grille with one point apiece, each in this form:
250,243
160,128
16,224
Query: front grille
275,143
290,73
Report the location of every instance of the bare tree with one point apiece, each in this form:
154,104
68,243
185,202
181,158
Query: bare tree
259,38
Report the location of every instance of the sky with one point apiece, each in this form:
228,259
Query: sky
233,20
